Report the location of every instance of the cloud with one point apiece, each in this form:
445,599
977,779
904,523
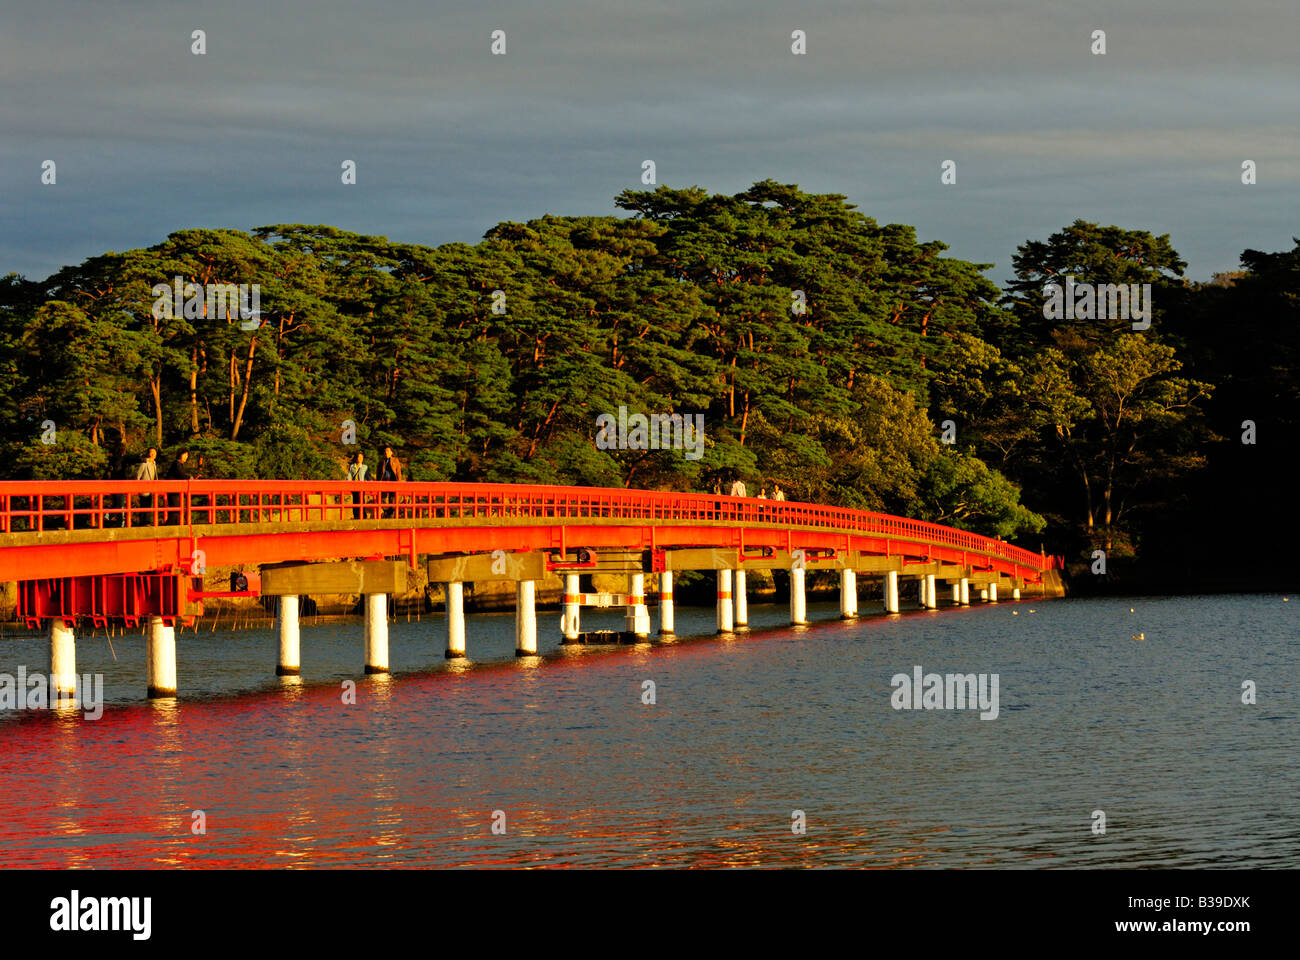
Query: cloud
449,139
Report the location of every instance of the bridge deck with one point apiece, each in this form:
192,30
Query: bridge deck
79,528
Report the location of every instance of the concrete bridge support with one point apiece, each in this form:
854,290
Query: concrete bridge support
376,632
891,591
162,659
956,594
725,622
742,601
571,618
993,592
984,594
63,662
455,620
798,601
848,595
526,619
666,624
965,592
289,663
638,615
1015,593
931,593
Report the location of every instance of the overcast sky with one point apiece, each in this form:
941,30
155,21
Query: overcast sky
449,139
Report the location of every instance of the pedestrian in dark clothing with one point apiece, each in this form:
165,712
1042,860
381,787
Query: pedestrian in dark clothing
180,470
390,471
357,473
118,469
200,515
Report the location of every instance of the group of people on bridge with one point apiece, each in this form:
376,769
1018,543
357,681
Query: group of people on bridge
390,471
170,509
738,489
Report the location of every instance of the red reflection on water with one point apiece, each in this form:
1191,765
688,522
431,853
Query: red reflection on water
408,776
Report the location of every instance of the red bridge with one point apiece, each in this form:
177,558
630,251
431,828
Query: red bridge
101,550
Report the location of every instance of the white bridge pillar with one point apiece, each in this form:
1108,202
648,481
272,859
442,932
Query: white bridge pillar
526,619
993,592
638,615
376,633
725,622
798,604
63,662
162,659
455,620
742,601
569,622
956,593
289,663
666,603
965,591
891,591
984,594
1015,593
848,595
931,593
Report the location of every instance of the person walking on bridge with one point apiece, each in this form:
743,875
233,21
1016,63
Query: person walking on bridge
118,469
737,488
357,474
390,471
147,471
180,470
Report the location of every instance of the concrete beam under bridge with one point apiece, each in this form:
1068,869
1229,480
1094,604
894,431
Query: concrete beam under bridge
610,561
954,575
479,567
338,576
920,568
724,558
876,563
729,558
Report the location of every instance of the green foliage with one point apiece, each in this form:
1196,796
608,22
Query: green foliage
821,348
71,457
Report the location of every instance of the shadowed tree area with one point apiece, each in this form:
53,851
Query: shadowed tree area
836,356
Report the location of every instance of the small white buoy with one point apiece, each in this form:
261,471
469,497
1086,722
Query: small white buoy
1015,613
1130,610
1139,636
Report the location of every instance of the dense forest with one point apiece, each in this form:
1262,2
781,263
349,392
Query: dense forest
838,357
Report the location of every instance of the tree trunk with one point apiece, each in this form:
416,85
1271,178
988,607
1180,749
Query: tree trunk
155,388
194,390
248,382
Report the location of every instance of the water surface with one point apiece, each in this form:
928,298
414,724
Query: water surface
744,731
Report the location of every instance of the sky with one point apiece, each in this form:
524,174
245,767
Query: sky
448,139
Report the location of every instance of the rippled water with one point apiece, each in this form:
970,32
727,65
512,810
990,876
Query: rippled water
744,731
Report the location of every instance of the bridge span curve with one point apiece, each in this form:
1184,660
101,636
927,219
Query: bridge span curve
101,551
80,528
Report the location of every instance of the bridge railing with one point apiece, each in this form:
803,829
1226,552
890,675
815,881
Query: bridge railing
104,505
